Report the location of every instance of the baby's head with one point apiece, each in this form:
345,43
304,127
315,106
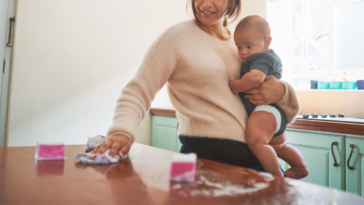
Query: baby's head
252,35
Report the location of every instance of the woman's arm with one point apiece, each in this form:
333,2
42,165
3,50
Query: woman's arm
155,70
274,91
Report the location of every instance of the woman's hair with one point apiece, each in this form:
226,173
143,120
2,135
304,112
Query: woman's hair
232,11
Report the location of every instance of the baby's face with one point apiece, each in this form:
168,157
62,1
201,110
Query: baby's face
249,42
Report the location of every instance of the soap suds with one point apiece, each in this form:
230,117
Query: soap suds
212,184
227,188
267,176
176,186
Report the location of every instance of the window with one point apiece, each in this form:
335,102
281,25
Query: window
318,39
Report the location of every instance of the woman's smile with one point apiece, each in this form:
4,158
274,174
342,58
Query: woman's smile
206,13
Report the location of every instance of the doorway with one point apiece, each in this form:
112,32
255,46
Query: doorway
7,20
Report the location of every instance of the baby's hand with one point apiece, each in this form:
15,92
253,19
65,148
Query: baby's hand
234,85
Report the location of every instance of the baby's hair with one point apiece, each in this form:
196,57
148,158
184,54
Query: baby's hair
256,22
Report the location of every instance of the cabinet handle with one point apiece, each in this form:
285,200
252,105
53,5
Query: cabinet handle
351,153
11,20
333,154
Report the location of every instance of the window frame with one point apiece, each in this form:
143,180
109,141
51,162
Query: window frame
331,46
302,82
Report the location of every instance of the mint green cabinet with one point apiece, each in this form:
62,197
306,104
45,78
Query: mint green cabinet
164,133
320,151
355,165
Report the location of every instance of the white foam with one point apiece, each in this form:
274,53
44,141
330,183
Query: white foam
233,190
176,186
228,189
207,182
208,186
267,176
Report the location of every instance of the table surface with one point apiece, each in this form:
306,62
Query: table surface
143,178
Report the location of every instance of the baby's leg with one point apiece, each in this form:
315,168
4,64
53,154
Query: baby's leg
261,127
292,156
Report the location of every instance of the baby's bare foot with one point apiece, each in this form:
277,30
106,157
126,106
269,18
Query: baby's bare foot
296,172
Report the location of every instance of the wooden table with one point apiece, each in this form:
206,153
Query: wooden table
144,179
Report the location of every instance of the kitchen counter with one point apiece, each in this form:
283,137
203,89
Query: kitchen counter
354,128
143,178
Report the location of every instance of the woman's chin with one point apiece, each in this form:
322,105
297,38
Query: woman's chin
208,22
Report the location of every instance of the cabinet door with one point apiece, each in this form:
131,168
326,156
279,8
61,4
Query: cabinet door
164,133
316,149
355,174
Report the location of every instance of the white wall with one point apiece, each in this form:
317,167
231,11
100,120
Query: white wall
348,102
254,7
71,60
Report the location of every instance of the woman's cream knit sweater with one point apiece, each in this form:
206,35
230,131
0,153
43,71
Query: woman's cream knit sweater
197,69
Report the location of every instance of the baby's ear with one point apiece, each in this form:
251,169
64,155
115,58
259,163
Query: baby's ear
267,42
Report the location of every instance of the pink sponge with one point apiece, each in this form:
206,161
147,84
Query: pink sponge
183,167
49,151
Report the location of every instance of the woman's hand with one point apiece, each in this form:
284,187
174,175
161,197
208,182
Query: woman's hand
269,92
118,144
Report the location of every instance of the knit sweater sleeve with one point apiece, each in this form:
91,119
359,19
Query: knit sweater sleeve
155,70
289,103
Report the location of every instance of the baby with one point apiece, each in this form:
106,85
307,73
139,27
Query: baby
266,123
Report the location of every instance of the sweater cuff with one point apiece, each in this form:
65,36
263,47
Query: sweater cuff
122,133
285,97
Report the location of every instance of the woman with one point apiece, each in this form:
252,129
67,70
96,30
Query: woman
197,59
